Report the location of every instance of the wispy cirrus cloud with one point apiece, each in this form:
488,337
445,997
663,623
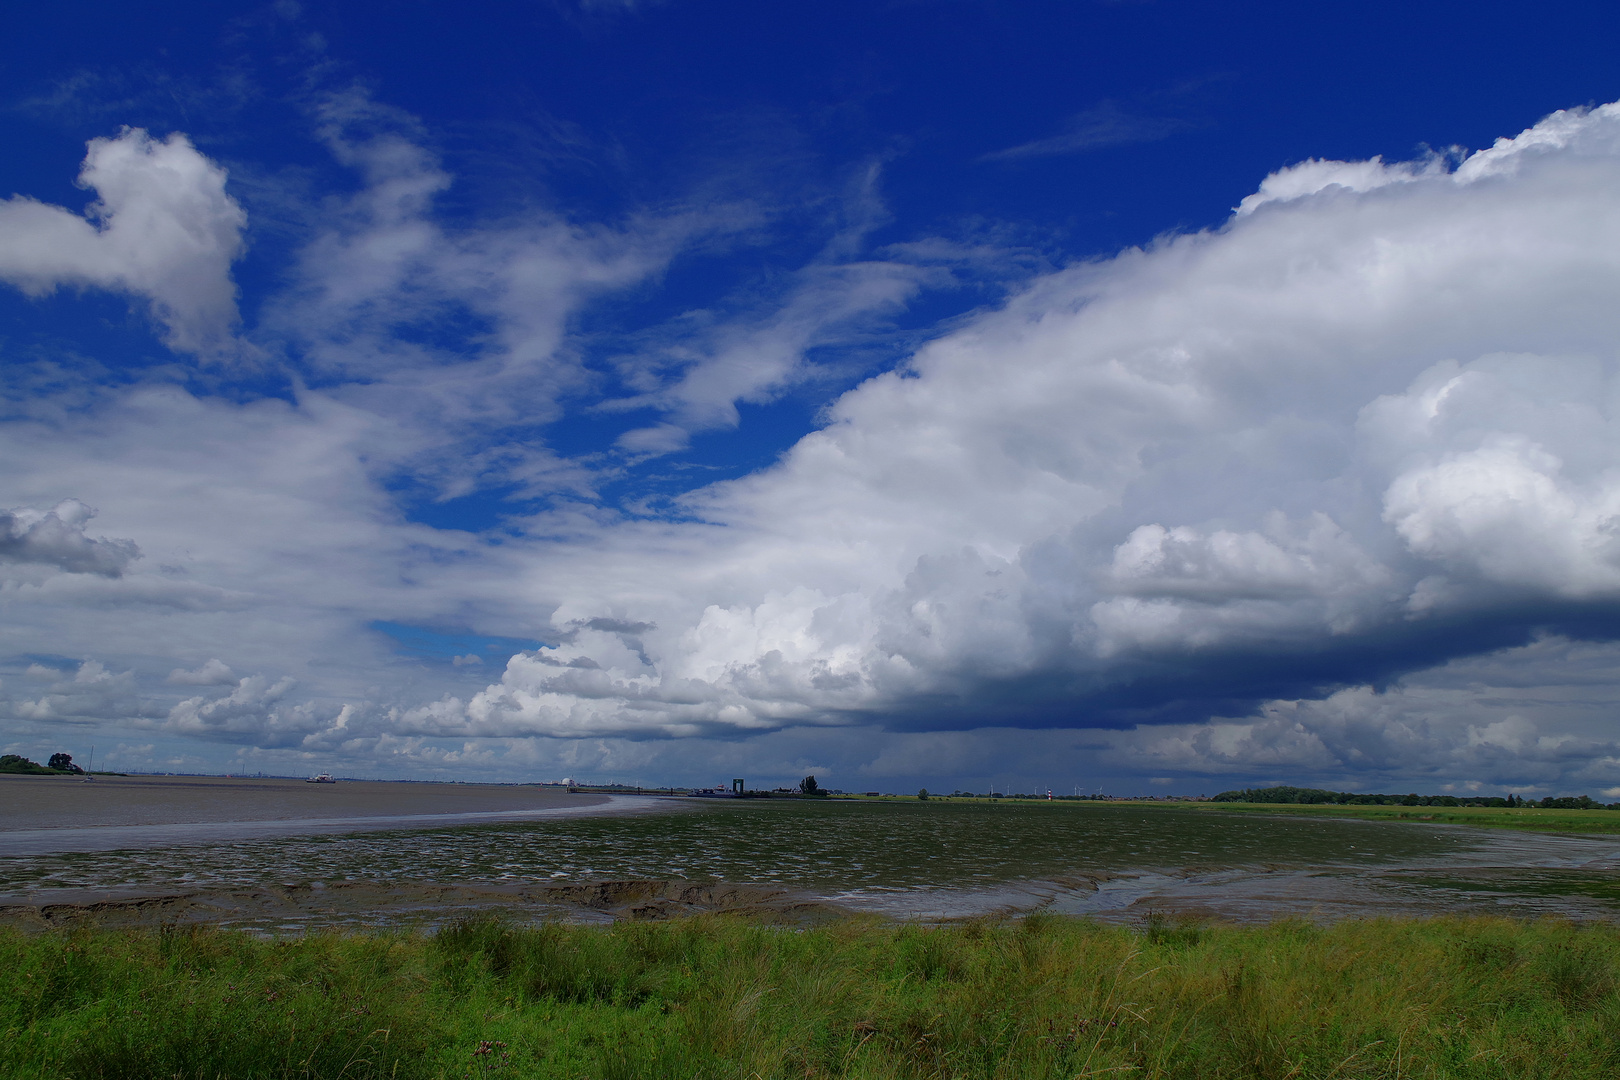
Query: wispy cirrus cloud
1105,124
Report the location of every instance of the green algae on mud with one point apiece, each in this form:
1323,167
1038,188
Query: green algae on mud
722,997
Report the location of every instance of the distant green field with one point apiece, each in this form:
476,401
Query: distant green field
1490,817
1532,819
713,998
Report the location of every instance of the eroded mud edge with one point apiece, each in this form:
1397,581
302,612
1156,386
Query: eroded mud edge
1253,894
295,906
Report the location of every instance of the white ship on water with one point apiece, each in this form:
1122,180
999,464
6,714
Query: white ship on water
321,778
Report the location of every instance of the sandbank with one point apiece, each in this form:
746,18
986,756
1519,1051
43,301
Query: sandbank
45,814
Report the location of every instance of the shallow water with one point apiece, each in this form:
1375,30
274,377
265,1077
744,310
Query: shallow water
930,860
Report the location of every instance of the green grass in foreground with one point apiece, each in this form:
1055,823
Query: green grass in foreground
726,998
1488,817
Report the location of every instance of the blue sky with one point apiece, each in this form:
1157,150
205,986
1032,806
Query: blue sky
1153,396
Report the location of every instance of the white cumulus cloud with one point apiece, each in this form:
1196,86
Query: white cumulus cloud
162,228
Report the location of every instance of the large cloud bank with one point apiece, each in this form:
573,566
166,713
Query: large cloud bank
1363,426
1248,499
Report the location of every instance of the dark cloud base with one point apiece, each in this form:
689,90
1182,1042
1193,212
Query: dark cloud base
1192,689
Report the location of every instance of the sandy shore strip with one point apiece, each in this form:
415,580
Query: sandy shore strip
122,837
46,815
44,802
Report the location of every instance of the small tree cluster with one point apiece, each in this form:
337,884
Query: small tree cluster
59,763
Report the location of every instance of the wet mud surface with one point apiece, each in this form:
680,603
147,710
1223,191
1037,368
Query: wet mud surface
1261,894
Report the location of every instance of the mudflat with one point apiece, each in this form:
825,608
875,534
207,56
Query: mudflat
58,802
936,861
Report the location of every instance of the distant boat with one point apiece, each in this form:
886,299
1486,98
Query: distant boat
322,778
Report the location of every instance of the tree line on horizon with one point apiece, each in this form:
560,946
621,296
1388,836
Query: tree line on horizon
1317,796
58,765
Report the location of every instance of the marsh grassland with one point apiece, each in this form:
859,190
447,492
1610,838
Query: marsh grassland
726,998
